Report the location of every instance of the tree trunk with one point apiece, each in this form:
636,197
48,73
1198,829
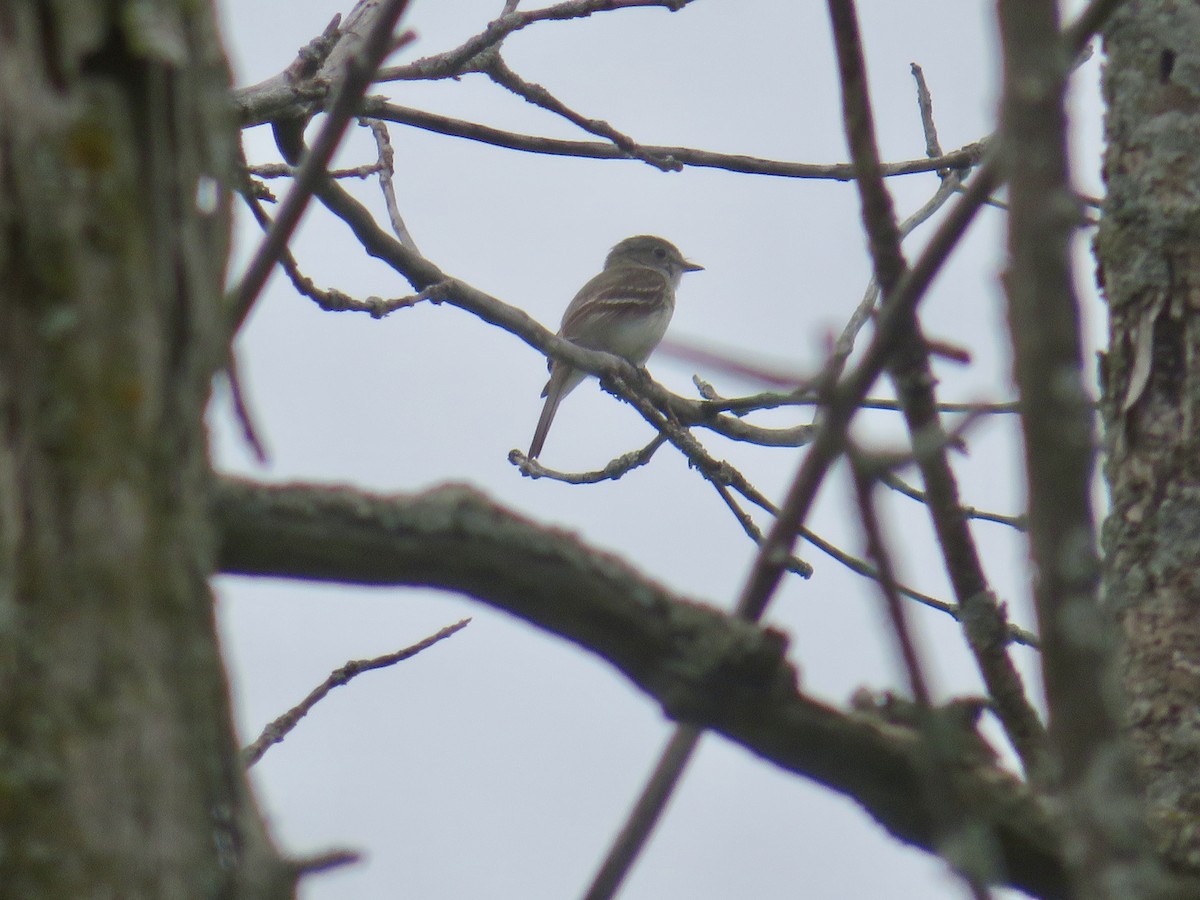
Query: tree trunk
119,775
1149,253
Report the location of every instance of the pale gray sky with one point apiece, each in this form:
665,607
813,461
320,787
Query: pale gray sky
499,763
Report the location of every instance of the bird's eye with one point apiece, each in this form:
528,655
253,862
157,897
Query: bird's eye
660,252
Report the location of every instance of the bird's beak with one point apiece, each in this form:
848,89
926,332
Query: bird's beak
692,267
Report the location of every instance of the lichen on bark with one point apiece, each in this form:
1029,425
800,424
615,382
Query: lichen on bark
118,766
1148,248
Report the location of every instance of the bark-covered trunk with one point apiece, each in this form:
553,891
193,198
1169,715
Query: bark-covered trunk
1149,253
118,770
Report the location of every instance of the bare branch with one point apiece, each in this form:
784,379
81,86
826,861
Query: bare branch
377,107
499,72
769,564
618,467
360,70
386,169
645,813
878,213
976,861
862,314
455,539
933,147
1114,852
300,867
279,729
241,409
332,299
283,170
453,63
909,368
1020,523
795,565
807,397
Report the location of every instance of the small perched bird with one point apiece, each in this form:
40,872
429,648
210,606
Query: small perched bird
624,310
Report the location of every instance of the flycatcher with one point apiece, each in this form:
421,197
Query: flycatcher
624,310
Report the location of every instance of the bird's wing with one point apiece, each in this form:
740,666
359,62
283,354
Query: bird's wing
617,291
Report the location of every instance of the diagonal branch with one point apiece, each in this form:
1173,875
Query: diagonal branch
498,70
975,860
909,368
278,729
1104,813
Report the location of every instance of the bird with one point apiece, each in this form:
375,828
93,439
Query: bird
624,311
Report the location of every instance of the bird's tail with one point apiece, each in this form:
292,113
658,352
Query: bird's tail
557,387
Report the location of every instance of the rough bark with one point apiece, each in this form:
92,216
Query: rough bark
1149,252
118,771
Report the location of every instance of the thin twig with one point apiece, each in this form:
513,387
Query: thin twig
301,866
645,813
735,479
951,181
1016,634
618,467
795,565
332,299
933,147
862,313
386,168
939,752
241,409
280,728
806,397
1020,523
283,170
864,486
498,70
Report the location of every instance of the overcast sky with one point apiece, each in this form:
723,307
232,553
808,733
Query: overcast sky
500,762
